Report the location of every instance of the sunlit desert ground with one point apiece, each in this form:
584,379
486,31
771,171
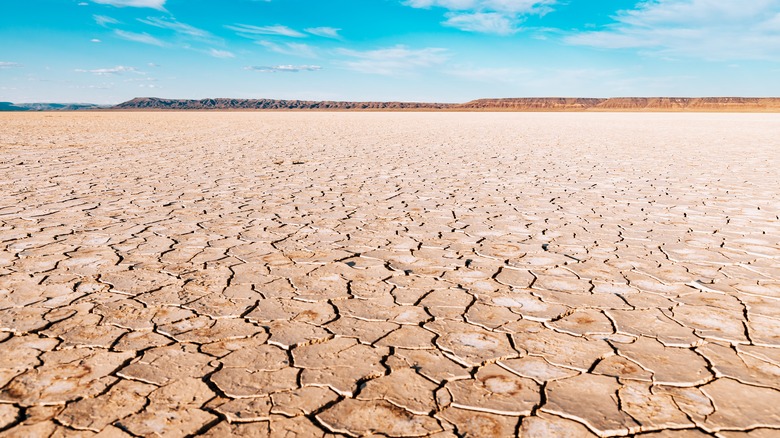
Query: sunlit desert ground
405,274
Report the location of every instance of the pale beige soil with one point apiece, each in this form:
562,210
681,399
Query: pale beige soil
404,274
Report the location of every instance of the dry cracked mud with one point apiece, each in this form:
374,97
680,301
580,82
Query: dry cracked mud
394,274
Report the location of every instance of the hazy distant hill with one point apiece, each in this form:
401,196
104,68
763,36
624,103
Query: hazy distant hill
510,104
9,106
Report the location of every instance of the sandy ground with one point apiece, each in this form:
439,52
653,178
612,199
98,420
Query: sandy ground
404,274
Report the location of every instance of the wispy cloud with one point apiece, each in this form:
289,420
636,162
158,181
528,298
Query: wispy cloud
154,4
248,30
220,53
500,17
394,60
176,26
284,68
105,21
483,22
95,40
5,65
118,70
327,32
292,49
144,38
704,29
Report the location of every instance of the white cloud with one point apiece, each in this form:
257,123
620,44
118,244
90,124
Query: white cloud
327,32
284,68
483,22
500,17
393,60
507,6
180,28
705,29
104,21
118,70
4,64
95,40
144,38
248,30
220,53
154,4
292,49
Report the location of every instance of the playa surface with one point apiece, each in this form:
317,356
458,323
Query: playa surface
405,274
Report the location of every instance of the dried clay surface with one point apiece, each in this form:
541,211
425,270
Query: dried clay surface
375,274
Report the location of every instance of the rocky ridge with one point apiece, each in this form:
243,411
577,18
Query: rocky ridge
508,104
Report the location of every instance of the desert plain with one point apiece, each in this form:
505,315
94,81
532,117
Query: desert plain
393,274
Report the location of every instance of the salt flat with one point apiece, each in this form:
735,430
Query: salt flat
405,274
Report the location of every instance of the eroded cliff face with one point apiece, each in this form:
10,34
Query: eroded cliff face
511,104
629,104
535,103
250,104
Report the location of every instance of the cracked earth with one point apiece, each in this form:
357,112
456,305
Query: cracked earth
353,274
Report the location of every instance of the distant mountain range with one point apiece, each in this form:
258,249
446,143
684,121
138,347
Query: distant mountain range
515,104
746,104
9,106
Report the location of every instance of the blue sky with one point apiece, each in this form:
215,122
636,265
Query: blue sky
109,51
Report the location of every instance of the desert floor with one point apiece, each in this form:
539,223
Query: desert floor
405,274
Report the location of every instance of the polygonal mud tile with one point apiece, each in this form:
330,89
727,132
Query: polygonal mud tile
373,310
339,363
471,345
712,322
287,334
583,322
745,368
404,388
246,410
654,323
536,368
741,406
409,337
429,363
66,375
359,418
136,341
296,427
764,330
490,317
247,430
162,365
447,303
562,349
544,425
8,415
622,368
494,390
301,401
602,411
474,424
664,362
367,332
123,399
652,411
291,310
